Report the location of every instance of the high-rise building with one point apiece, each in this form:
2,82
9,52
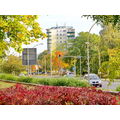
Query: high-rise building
58,35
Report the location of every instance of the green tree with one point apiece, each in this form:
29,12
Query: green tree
16,30
12,64
105,19
44,60
78,48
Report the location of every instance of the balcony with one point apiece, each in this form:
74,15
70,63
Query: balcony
71,32
71,36
48,32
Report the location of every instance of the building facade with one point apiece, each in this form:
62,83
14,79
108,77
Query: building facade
58,35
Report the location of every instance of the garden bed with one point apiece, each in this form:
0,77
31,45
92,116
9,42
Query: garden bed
53,95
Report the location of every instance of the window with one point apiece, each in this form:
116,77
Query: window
60,41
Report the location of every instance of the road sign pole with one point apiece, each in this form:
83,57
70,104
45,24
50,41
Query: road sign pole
28,60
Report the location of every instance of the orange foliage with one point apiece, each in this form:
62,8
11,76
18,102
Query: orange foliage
57,60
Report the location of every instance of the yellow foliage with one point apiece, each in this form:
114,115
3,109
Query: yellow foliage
20,35
113,52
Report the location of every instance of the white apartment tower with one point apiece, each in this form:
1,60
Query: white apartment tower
59,34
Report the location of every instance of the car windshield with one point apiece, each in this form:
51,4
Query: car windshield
92,77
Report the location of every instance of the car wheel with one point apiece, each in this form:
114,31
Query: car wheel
100,85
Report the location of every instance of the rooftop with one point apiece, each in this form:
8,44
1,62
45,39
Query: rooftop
57,27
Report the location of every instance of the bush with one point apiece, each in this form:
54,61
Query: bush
51,95
47,81
118,88
25,79
62,82
8,77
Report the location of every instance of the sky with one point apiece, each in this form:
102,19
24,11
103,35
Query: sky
79,23
62,12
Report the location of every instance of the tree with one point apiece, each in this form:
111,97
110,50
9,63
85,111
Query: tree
44,60
110,37
111,68
78,48
12,64
110,41
16,30
106,19
58,63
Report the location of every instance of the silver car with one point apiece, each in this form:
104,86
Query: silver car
94,80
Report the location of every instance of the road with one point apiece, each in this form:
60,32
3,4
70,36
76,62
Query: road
112,86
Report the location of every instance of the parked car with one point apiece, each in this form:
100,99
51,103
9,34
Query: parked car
21,74
93,79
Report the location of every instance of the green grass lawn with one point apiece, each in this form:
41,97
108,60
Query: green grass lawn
5,85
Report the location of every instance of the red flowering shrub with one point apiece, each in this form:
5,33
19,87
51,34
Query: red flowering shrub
51,95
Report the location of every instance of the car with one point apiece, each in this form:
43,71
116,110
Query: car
21,74
70,74
93,80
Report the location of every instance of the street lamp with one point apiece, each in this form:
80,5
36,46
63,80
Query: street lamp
88,50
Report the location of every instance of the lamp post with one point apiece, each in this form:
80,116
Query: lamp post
88,50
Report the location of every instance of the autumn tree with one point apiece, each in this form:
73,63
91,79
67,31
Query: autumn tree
111,68
110,41
16,30
58,62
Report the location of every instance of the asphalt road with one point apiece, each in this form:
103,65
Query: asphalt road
112,86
